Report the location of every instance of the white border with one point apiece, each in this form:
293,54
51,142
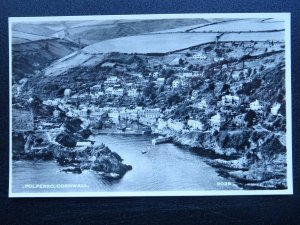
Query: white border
281,16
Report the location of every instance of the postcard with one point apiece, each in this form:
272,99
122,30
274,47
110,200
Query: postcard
150,105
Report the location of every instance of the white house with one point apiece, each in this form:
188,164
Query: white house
224,67
175,62
83,112
235,75
109,91
199,56
239,120
187,74
74,98
255,105
161,124
195,94
132,92
139,110
216,121
195,124
275,108
95,88
112,80
119,92
230,100
152,113
155,74
160,81
56,113
175,125
217,59
67,93
184,82
196,73
201,105
175,83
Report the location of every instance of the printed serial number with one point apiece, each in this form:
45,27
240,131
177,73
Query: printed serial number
224,183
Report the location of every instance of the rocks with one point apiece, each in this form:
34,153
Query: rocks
109,163
272,146
73,124
99,159
18,144
66,139
72,169
234,139
85,133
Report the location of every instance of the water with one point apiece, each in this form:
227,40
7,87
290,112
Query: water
165,167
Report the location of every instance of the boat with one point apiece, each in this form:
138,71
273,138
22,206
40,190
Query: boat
161,140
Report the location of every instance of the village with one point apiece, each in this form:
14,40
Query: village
159,96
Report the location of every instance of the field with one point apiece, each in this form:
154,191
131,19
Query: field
261,36
22,37
243,25
71,61
153,43
22,120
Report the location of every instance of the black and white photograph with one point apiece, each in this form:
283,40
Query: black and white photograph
150,105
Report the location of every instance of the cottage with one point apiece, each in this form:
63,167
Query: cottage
255,105
199,56
175,125
184,83
67,93
74,98
195,124
229,100
84,112
50,102
160,81
132,92
111,80
175,62
224,67
161,124
147,121
108,64
201,105
56,113
239,120
187,74
216,122
96,88
139,110
275,108
155,74
81,97
236,74
195,94
152,112
196,73
218,59
109,91
176,83
119,92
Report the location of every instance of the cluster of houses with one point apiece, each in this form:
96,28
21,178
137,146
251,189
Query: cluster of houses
114,87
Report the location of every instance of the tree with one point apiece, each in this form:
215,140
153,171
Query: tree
250,117
181,62
149,89
211,86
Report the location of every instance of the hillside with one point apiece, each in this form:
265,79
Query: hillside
30,57
163,41
90,32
